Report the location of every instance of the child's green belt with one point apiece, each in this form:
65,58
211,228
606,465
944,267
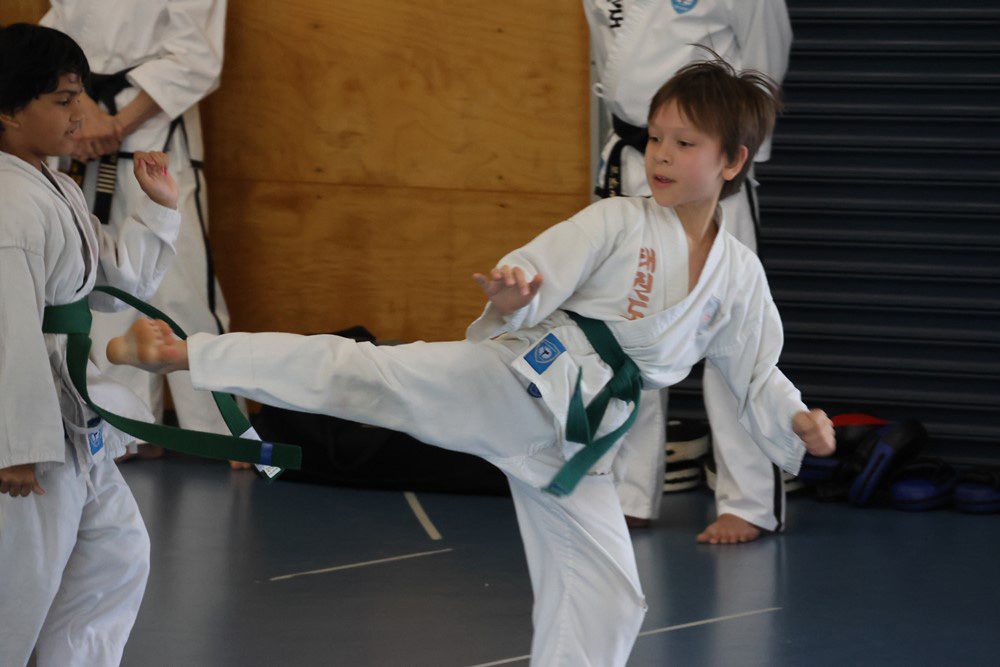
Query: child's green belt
74,319
582,423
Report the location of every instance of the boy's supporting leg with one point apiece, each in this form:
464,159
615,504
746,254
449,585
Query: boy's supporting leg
640,462
37,536
103,582
588,602
748,485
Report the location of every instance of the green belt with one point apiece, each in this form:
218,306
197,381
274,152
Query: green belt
74,320
582,423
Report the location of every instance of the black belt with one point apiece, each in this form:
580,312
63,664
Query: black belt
103,89
628,135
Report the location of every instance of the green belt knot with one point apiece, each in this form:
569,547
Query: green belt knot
582,422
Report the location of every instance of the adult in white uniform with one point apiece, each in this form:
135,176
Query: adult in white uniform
637,45
172,51
74,553
503,393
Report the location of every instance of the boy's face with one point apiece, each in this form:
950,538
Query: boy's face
47,124
683,164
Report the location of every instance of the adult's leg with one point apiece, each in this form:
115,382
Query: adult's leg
588,601
37,536
104,580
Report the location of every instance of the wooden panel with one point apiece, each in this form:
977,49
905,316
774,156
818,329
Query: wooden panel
313,258
22,11
462,94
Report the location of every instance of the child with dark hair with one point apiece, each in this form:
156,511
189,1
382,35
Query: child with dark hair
73,548
635,292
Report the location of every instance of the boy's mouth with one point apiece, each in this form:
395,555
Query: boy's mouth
663,180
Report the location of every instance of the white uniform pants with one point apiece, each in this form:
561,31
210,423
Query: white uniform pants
183,295
464,396
749,485
73,568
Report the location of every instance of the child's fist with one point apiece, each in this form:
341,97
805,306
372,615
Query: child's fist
19,481
816,430
154,179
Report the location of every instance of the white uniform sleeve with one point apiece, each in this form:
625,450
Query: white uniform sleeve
138,257
748,358
565,255
764,33
31,429
191,63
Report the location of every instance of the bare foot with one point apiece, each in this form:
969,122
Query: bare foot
149,345
636,522
240,465
729,529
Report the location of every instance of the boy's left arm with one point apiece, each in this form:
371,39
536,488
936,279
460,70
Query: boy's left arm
770,406
136,259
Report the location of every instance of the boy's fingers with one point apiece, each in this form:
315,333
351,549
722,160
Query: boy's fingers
37,488
522,283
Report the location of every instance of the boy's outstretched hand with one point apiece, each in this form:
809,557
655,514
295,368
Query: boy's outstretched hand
816,430
154,179
150,345
508,289
20,480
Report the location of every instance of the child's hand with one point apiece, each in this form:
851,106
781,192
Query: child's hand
154,179
150,345
20,481
507,289
816,430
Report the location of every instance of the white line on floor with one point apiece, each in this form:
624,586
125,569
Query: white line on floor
669,628
421,515
353,565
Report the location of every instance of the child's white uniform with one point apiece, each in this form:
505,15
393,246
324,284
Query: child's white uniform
638,45
74,561
481,395
176,50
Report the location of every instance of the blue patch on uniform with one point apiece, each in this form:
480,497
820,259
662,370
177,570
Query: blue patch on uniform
542,355
96,441
534,391
683,6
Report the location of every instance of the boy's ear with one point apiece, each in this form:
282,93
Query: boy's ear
733,167
8,120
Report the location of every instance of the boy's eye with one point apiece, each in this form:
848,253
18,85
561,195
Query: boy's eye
684,144
653,139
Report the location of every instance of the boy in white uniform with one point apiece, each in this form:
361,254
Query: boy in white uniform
657,284
637,44
74,553
171,54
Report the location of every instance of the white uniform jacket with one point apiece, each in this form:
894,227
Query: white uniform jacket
53,252
174,46
610,262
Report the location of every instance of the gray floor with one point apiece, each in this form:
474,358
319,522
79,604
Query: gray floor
842,587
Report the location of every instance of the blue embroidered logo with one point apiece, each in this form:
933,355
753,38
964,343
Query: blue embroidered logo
96,441
708,314
683,6
534,391
542,355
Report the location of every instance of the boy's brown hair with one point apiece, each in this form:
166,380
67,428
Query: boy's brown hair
737,107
